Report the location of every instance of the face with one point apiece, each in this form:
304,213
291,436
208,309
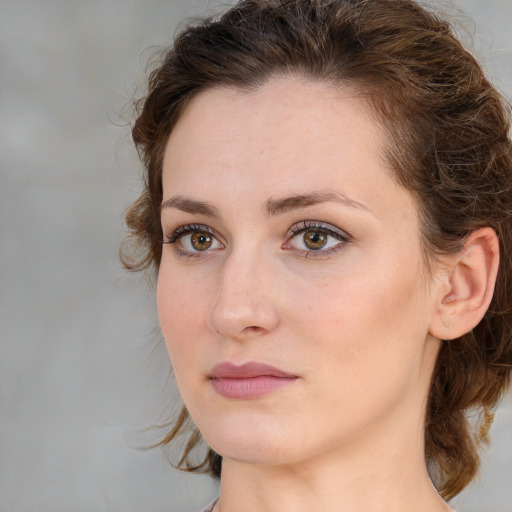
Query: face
292,293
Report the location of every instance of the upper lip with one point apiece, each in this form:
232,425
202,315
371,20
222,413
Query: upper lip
228,370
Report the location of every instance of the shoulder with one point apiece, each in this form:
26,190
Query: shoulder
210,507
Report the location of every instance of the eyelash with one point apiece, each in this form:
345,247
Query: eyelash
321,227
185,230
182,231
293,232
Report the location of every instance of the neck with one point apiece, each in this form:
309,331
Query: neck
390,475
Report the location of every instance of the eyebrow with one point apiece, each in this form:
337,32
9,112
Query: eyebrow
272,207
191,206
278,206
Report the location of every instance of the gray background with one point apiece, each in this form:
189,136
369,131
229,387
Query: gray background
82,369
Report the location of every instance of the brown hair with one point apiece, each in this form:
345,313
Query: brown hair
448,143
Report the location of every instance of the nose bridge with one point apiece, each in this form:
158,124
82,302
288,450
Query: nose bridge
244,302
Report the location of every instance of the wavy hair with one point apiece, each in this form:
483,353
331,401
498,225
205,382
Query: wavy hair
448,143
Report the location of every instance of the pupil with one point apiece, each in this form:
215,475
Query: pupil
201,241
315,240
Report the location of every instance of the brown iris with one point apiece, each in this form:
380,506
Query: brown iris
315,239
201,240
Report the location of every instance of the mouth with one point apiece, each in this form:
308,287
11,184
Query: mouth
249,381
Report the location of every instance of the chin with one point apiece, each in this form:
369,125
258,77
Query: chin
256,453
253,445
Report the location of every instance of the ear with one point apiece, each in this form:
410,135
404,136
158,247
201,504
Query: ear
465,291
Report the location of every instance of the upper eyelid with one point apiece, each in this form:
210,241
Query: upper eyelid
320,225
298,227
173,235
342,237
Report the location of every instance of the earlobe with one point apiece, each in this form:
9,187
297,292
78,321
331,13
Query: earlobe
467,288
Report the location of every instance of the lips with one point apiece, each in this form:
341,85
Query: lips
249,381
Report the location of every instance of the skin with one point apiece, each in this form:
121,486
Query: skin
352,321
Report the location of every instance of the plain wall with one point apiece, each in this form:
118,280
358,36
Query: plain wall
82,367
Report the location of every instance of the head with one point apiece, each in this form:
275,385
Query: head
440,128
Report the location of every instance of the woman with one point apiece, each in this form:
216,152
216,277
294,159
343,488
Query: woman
328,205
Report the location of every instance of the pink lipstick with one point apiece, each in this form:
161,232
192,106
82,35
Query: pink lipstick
251,380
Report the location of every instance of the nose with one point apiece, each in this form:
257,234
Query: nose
245,305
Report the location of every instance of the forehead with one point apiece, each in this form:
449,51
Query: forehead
285,137
302,106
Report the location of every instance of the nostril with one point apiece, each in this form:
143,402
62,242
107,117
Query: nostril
252,328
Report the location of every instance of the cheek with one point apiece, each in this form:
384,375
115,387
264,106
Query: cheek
363,344
366,322
181,310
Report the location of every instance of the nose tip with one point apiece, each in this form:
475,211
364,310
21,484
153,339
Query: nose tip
244,306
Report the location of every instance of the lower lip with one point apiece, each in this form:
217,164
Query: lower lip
253,387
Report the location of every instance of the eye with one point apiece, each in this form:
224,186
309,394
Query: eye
199,241
315,239
314,236
192,239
